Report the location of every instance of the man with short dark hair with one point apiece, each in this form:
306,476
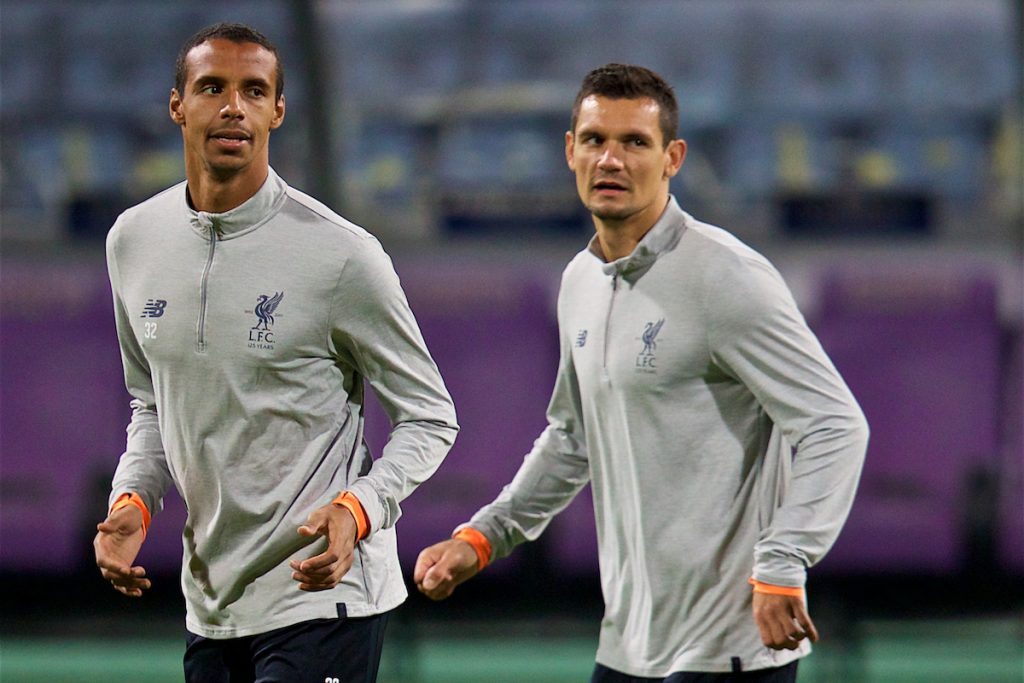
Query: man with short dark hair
249,316
721,444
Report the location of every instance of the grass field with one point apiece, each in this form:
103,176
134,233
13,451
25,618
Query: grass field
980,651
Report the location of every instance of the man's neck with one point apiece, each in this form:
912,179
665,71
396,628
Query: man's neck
618,238
616,241
213,194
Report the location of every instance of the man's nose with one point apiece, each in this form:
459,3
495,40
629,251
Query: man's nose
233,106
610,158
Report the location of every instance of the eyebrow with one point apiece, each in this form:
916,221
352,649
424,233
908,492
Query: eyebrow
628,135
211,79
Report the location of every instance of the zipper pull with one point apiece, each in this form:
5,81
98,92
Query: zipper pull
204,221
615,282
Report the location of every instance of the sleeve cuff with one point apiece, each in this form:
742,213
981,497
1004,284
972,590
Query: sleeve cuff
348,500
771,589
126,499
479,542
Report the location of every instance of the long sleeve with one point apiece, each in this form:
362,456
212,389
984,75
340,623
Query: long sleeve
757,335
374,329
142,468
552,473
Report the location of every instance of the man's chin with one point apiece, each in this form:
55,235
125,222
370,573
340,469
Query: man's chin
226,165
610,213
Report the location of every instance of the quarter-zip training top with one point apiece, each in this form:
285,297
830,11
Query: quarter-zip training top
246,337
720,441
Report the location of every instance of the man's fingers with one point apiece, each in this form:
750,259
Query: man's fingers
426,559
438,583
320,572
319,582
129,585
804,620
110,570
783,621
435,577
317,563
441,568
310,530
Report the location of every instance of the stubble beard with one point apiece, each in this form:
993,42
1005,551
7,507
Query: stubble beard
610,213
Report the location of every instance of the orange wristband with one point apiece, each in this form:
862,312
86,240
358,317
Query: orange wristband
479,542
126,499
348,500
772,589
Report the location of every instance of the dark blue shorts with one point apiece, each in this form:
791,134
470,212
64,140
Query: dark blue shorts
340,650
782,674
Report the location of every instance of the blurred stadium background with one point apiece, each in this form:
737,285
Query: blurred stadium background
871,148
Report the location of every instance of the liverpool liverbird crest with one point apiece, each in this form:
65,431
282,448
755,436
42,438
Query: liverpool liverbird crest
651,330
265,307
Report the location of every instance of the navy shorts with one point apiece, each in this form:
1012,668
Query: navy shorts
343,650
782,674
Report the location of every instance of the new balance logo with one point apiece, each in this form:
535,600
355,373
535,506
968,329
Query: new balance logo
154,308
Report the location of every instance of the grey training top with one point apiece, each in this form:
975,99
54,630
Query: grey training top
246,337
687,379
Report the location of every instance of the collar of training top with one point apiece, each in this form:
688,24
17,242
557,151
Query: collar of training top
244,218
663,236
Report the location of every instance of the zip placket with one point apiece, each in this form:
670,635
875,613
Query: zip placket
608,325
203,289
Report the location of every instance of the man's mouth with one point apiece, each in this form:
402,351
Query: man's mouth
608,187
230,138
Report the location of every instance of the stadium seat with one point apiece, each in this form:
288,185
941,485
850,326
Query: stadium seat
387,53
571,539
63,410
491,331
703,62
920,351
534,40
1009,527
943,156
811,60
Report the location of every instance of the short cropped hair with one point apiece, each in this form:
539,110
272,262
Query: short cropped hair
236,33
626,81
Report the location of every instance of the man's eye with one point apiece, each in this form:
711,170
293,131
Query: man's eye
210,89
638,142
256,92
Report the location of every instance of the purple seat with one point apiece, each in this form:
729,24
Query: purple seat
161,554
64,407
920,352
63,410
63,413
572,538
1010,515
492,333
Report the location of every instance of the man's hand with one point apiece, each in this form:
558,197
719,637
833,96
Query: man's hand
117,544
443,566
324,571
783,621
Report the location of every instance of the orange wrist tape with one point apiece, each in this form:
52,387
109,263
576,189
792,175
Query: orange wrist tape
347,499
479,542
772,589
126,499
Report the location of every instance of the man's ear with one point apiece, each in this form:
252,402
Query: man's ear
569,155
278,113
174,107
674,156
